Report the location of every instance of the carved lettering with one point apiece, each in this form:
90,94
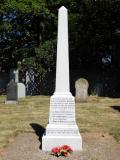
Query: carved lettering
62,111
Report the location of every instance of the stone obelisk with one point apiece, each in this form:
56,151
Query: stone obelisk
62,128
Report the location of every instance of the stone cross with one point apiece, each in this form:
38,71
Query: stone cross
62,128
16,72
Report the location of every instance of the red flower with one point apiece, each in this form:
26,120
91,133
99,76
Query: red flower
56,150
66,154
66,147
64,150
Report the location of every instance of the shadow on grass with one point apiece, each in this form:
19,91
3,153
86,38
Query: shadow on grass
117,108
39,130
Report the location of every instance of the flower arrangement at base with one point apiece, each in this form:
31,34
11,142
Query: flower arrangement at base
64,150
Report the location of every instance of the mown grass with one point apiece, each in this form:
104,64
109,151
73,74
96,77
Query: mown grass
97,115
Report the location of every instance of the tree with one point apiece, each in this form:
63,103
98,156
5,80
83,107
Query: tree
29,27
22,27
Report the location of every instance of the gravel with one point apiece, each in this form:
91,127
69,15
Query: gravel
96,146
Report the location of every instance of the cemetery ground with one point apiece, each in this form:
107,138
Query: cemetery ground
22,125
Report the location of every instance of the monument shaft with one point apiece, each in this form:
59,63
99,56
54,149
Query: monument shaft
62,67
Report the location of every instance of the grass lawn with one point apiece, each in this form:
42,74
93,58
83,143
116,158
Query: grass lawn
97,115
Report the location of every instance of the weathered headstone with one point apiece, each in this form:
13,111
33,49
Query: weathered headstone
81,86
62,128
11,92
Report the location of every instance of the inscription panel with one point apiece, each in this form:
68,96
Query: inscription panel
61,132
62,111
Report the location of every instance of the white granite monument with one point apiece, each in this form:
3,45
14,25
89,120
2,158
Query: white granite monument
62,128
21,93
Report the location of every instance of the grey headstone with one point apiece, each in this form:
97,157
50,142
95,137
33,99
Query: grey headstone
12,91
81,86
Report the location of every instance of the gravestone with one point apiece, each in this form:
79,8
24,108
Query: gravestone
21,90
21,93
12,96
81,90
62,128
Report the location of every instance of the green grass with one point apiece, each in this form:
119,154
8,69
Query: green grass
97,115
94,116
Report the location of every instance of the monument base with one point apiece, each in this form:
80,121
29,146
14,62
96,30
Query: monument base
10,102
62,128
57,135
49,142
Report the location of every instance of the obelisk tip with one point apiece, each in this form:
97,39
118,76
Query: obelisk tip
62,8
